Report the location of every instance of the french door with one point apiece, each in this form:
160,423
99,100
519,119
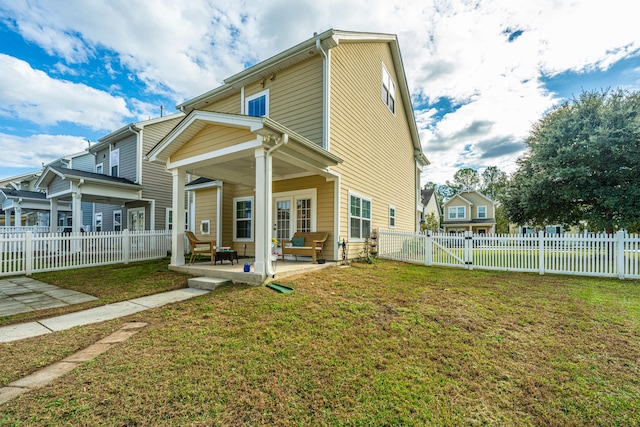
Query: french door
293,212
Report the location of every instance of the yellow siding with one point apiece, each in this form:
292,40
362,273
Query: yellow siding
206,209
375,144
325,202
211,138
230,105
231,191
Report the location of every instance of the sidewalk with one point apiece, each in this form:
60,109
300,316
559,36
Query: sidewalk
95,315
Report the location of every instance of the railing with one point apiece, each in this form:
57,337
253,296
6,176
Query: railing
29,252
608,255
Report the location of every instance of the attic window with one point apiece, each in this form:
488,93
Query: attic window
258,105
388,90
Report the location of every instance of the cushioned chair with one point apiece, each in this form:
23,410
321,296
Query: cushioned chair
205,247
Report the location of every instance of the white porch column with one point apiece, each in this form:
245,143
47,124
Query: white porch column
76,211
219,216
18,216
152,212
177,235
262,247
53,215
7,218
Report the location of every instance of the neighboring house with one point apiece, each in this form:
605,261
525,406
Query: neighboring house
126,192
549,229
469,211
430,204
320,137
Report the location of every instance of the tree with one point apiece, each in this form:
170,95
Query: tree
430,222
494,182
583,164
466,179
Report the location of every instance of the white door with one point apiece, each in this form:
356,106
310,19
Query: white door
283,218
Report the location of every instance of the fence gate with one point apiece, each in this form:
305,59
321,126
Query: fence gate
454,250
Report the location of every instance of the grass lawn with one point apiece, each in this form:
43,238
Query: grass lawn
380,344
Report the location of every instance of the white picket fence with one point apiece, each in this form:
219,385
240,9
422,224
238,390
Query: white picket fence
28,252
607,255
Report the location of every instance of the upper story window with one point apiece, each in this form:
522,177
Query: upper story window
258,105
100,168
388,90
456,212
114,161
482,211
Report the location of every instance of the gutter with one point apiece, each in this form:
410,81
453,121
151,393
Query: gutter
326,76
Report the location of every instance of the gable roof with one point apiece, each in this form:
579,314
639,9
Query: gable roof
302,51
52,171
459,196
22,194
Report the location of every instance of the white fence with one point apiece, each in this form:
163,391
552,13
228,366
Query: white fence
614,255
27,253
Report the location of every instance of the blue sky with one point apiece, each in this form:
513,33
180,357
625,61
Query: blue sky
480,72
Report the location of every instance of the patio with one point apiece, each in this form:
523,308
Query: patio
236,273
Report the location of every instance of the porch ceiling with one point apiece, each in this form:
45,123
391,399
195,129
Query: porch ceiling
236,164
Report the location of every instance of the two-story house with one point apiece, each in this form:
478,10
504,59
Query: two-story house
320,137
123,190
469,211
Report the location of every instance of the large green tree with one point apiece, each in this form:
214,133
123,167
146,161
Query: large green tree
583,164
494,182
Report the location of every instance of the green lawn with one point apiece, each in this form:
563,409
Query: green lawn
380,344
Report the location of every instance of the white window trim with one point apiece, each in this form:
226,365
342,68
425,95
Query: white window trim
205,226
114,220
101,167
391,89
95,221
112,153
392,224
464,210
486,211
168,214
235,218
264,93
363,197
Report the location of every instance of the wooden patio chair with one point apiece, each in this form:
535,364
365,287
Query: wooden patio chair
205,247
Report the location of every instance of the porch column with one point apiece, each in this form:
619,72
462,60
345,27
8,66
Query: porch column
260,210
53,215
76,211
18,216
7,218
177,233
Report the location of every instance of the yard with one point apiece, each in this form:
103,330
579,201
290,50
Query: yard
375,344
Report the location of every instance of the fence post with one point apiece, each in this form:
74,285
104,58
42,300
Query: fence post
428,248
620,253
541,252
126,246
468,250
28,253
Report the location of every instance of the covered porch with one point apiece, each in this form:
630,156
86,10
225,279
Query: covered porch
248,153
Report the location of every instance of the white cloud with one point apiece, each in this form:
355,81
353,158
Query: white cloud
488,55
32,95
33,151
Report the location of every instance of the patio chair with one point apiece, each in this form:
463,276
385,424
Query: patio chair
205,247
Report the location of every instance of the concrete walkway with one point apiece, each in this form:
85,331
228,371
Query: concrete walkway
23,294
46,375
95,315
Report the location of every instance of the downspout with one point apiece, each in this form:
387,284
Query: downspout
268,183
326,75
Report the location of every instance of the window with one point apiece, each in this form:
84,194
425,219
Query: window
359,217
98,222
388,90
100,168
168,223
117,221
392,216
205,227
303,215
114,161
258,105
243,219
456,212
482,211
